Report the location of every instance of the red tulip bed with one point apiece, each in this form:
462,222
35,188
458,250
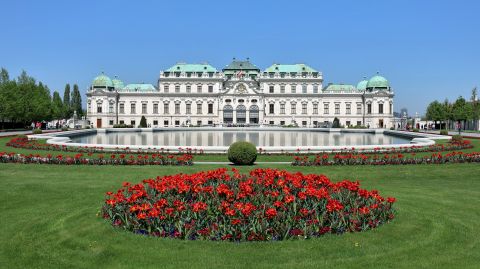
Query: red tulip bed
113,159
25,143
266,204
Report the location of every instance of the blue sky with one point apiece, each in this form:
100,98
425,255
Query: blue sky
426,49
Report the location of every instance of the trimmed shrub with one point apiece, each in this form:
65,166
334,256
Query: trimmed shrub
443,132
64,128
242,153
415,130
37,131
143,122
457,138
336,123
122,125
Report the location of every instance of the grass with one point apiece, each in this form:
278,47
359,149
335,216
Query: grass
49,221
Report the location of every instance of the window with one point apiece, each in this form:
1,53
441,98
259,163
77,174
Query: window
304,123
166,109
347,123
177,88
390,109
359,109
282,122
122,122
110,122
210,88
165,123
132,108
177,108
326,109
155,123
110,108
189,88
294,108
271,122
271,108
166,88
122,108
199,122
315,108
282,88
210,122
304,108
155,108
210,108
348,108
359,123
132,122
294,88
380,108
337,109
282,108
189,108
189,74
369,108
199,88
271,89
99,108
177,123
315,88
144,108
315,123
304,88
199,108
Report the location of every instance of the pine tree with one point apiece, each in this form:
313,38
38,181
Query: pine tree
143,122
67,110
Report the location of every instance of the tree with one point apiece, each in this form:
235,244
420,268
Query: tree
76,101
336,123
447,110
4,77
435,112
461,110
57,106
143,122
66,102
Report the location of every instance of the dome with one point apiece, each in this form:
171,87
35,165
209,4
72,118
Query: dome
378,81
117,84
102,81
362,85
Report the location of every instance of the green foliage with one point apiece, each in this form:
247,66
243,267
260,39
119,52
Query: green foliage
443,132
436,111
415,130
67,109
37,131
57,106
76,101
143,122
242,153
461,110
457,138
64,128
122,126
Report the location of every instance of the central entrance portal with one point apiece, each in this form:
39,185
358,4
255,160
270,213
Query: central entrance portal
241,114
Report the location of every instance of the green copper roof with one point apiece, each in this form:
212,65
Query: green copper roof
117,84
340,87
241,65
378,81
290,68
139,87
184,67
362,85
102,81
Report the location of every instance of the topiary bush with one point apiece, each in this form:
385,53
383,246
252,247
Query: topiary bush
242,153
443,132
457,138
37,131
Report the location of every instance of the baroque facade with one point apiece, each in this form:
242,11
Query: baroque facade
240,95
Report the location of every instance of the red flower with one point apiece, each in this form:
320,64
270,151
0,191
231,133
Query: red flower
391,200
364,210
334,205
199,206
271,213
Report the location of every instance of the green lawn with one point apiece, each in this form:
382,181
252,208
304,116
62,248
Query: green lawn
49,220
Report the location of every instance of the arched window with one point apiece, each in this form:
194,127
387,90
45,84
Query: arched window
228,114
254,114
241,114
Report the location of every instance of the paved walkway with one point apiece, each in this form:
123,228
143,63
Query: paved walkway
466,134
227,163
28,132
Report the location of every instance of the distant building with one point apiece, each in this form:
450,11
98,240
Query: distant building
240,94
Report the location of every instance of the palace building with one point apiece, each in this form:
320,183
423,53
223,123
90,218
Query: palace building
240,95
